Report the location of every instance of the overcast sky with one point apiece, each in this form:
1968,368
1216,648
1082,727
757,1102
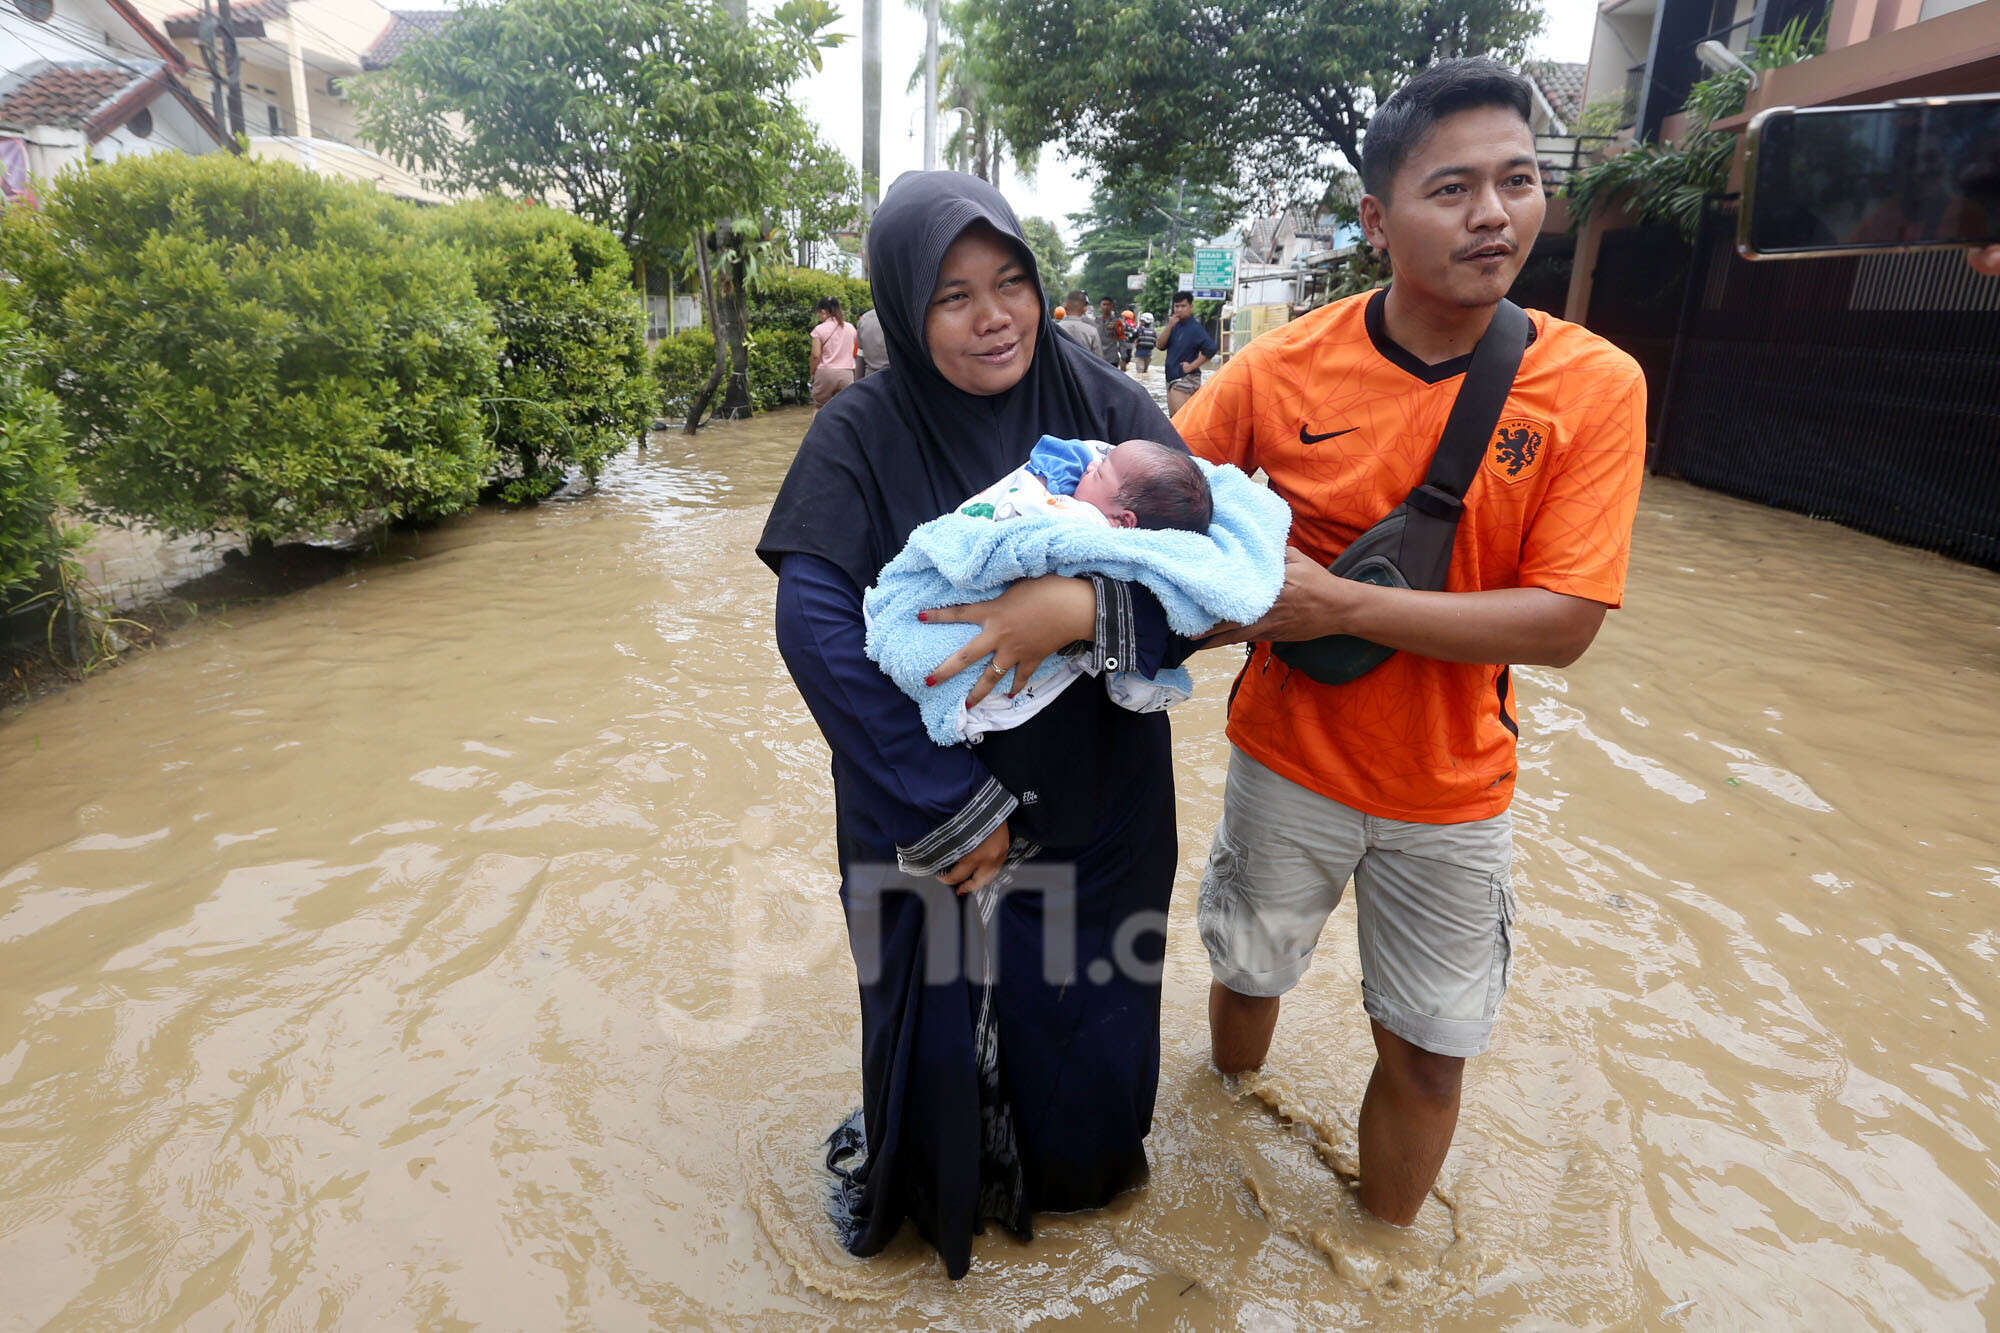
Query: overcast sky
1060,188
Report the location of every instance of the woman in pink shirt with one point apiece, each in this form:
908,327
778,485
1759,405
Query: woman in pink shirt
832,355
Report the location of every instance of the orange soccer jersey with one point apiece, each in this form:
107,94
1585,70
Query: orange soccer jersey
1344,422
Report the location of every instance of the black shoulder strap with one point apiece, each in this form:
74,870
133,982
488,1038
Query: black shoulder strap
1481,399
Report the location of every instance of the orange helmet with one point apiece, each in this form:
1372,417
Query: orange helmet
1059,313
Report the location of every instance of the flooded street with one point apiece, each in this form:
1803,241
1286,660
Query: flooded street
458,941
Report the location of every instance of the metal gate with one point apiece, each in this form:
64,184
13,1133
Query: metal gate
1865,390
1635,301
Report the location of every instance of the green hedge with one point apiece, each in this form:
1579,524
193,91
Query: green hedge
35,479
244,346
573,385
778,368
783,298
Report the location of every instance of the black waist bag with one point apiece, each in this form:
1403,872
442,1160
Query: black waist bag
1411,546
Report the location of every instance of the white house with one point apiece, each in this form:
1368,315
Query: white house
90,79
297,57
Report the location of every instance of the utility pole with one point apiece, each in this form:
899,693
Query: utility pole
232,69
930,84
204,39
871,117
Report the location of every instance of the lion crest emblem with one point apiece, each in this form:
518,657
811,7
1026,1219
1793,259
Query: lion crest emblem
1516,449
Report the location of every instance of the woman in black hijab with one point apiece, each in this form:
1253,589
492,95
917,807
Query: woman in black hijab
1025,1084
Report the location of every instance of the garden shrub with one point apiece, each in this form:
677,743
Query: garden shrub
783,298
573,387
244,346
35,480
683,361
681,365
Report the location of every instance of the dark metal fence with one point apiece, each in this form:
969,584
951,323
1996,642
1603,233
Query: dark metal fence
1636,293
1864,390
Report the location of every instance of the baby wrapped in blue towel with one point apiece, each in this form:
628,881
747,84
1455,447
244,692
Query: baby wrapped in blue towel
1206,540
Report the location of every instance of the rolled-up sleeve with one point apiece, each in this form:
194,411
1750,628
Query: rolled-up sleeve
933,802
1132,632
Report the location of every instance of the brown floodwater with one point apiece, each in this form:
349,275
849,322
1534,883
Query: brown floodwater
457,942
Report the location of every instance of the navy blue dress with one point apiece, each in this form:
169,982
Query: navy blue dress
987,1092
1079,1058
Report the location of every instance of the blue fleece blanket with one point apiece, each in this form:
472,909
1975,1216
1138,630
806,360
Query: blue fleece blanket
1234,571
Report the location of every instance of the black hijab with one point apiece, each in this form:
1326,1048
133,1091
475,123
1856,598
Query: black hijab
904,446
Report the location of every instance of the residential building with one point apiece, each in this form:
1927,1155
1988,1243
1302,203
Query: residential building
1861,388
298,58
90,79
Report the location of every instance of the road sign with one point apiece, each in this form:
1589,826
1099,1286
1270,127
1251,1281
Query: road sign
1135,282
1186,281
1214,268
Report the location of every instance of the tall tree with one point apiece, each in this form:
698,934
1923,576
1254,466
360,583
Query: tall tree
978,143
651,117
1132,216
1269,96
1051,253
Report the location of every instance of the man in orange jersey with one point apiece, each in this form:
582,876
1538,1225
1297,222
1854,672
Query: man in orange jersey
1402,778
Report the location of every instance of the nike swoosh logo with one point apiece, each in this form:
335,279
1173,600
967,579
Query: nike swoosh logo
1304,438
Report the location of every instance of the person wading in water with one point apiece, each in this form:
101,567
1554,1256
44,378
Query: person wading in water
1402,777
1030,1089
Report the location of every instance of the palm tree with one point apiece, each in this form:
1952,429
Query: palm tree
977,144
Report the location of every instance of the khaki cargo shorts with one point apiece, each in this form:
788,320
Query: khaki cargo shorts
1434,907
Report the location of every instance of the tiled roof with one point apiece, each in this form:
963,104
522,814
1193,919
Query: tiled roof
255,11
1561,83
406,26
67,95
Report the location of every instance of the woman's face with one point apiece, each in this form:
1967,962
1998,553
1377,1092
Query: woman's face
983,315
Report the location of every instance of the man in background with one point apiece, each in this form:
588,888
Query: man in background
1110,332
1188,348
874,347
1077,322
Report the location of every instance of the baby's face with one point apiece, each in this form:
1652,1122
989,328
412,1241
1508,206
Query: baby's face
1103,480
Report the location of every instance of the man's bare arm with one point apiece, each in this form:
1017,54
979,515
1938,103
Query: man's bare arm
1529,626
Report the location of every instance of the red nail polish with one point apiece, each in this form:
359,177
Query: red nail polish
930,680
924,616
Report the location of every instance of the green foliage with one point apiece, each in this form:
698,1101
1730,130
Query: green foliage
1604,115
573,386
1052,254
1130,214
35,481
1162,278
681,364
654,118
1269,95
783,298
1670,182
244,346
780,368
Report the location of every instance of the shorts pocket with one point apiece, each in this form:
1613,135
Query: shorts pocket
1502,891
1221,892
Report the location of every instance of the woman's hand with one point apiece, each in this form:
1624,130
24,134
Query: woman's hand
1985,259
976,869
1020,627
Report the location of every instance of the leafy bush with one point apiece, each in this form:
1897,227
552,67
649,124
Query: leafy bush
778,368
1671,182
35,479
681,365
572,370
783,298
244,346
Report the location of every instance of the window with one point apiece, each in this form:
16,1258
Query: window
271,113
38,10
141,125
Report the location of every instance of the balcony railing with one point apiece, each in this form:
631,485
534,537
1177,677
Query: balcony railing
1563,155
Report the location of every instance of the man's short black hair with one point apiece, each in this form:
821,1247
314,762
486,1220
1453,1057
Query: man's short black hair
1183,296
1167,490
1444,89
1076,298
